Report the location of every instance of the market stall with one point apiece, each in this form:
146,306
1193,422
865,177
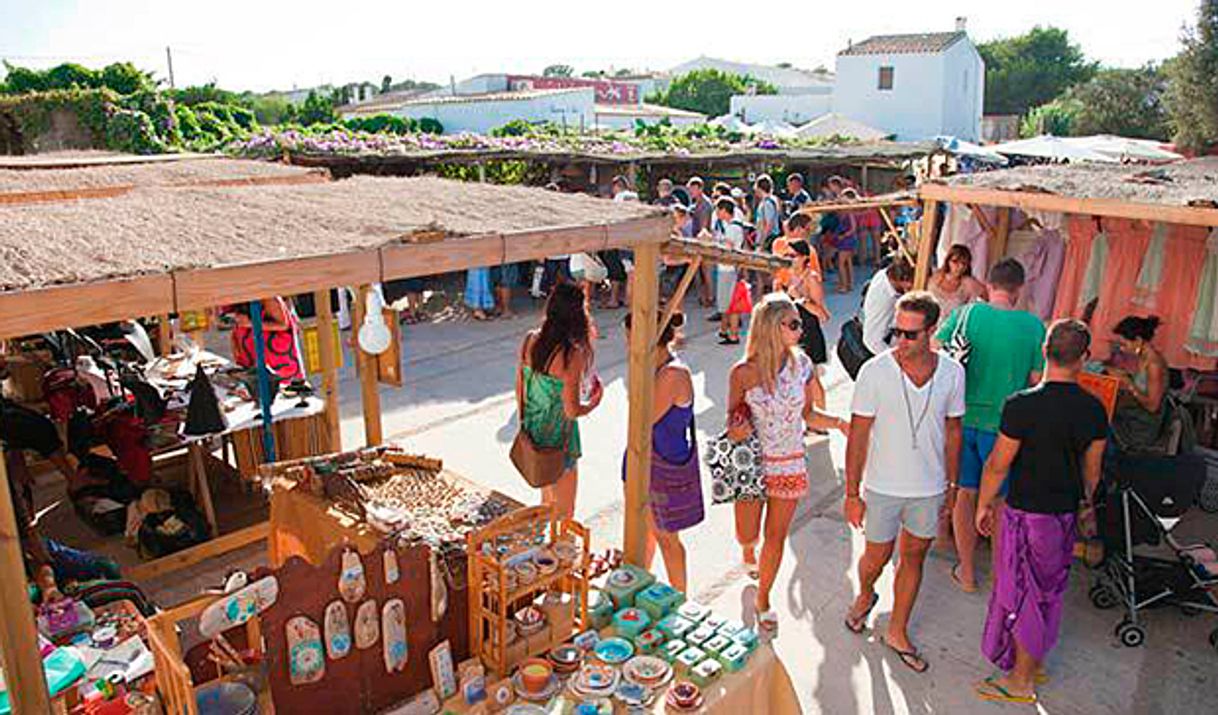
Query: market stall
230,244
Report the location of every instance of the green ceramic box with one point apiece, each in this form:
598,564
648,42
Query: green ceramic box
630,622
700,635
714,620
648,642
731,628
625,583
734,658
717,644
706,672
675,626
694,611
747,638
600,609
659,600
689,658
673,648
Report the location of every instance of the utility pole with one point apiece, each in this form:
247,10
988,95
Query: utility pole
169,58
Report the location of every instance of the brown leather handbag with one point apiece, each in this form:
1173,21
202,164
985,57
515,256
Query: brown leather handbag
540,466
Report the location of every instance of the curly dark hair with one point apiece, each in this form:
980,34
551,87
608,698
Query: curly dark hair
564,328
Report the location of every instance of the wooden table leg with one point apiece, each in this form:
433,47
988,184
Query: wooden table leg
199,482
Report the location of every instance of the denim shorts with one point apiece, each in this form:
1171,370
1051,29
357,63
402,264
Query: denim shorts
976,450
887,515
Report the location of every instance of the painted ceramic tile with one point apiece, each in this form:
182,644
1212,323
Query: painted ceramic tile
306,659
351,581
393,638
338,631
367,625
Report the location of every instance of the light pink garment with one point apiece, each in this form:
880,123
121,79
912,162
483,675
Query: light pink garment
1042,265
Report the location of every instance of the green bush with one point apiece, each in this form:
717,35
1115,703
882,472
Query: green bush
126,78
381,123
427,125
130,130
70,75
188,123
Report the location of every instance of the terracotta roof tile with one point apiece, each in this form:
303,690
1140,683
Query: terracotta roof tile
927,43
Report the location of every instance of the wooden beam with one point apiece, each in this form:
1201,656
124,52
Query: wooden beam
27,686
448,256
370,395
926,243
678,296
871,202
208,287
641,379
329,368
42,310
754,260
1028,200
186,558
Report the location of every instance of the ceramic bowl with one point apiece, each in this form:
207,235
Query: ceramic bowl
529,617
546,562
566,658
685,693
614,650
535,674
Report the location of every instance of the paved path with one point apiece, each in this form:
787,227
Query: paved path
457,403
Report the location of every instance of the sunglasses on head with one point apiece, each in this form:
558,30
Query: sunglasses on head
793,324
907,334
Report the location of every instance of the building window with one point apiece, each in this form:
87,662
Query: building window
886,77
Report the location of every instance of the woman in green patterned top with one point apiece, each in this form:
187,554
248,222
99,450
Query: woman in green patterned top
556,384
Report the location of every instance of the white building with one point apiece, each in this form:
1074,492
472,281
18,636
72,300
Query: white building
623,116
915,86
790,108
480,113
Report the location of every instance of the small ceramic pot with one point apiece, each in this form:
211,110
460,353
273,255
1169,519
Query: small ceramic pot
535,674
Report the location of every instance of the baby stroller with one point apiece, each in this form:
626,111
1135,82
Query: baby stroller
1140,500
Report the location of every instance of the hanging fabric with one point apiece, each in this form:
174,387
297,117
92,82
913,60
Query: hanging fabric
1203,334
1079,234
1042,263
1151,275
1126,243
1093,278
961,226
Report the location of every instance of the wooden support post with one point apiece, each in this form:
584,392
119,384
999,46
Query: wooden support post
641,379
27,685
998,239
678,296
926,243
166,335
329,368
370,394
863,182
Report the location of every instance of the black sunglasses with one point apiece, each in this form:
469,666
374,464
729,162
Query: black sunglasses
794,324
907,334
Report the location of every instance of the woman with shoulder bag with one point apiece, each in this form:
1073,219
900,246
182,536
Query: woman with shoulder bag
675,486
775,382
555,362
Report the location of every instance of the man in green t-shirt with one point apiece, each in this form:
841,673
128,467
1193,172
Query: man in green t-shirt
1005,357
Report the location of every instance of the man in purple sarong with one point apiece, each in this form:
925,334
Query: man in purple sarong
1051,441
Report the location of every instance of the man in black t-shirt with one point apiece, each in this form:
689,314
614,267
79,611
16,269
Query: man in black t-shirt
1051,442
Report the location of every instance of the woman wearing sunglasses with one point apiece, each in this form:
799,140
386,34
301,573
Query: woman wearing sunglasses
775,381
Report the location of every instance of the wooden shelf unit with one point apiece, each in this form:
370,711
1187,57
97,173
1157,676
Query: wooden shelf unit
492,605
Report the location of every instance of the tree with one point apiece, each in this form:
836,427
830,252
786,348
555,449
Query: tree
1031,69
1058,118
126,78
558,71
1125,102
70,74
1192,89
386,83
317,109
709,91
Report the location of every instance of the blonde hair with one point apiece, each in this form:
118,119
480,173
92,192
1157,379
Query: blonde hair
765,347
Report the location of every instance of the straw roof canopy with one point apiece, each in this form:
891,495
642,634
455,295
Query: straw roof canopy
1185,183
160,230
18,176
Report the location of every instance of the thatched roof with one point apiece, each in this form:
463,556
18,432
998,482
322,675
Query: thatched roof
1185,183
20,175
161,230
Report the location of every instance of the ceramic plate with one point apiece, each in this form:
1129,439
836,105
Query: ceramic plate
647,670
548,692
614,650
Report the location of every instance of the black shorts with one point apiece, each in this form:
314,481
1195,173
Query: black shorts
24,429
812,339
613,263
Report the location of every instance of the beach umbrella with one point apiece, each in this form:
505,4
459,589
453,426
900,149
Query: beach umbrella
959,147
1126,149
1048,146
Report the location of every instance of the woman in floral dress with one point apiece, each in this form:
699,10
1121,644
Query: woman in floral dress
775,380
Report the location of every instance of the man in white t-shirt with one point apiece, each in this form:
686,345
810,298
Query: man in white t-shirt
904,447
879,307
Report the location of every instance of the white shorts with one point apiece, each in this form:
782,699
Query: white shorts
887,515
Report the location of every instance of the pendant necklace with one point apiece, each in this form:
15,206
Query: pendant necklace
916,426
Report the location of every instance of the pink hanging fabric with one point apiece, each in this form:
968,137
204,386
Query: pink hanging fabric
1127,242
1081,231
1176,301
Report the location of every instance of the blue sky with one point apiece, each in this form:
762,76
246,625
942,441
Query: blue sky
263,44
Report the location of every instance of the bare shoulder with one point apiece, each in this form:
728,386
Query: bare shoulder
745,374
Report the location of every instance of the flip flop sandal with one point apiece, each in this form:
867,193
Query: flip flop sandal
767,621
858,624
989,690
956,579
911,658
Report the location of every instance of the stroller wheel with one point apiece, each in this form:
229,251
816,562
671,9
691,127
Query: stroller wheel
1101,597
1131,635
